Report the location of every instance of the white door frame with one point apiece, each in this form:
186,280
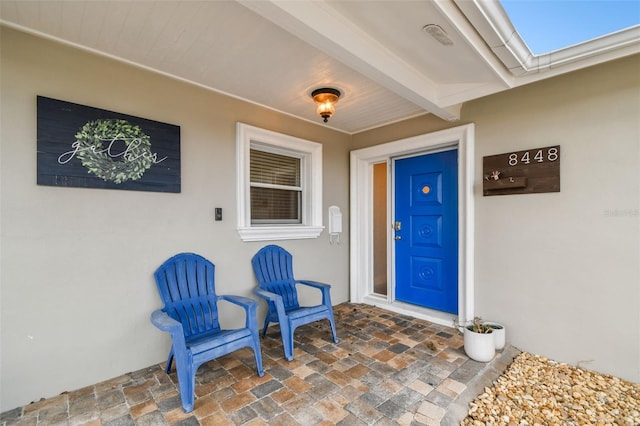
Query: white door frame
361,222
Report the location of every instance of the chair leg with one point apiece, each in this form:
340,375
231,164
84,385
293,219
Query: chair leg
169,361
333,329
266,324
287,339
186,384
258,354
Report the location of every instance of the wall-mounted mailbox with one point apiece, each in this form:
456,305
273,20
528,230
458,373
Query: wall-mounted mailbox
522,172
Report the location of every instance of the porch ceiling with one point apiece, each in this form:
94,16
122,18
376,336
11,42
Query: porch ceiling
274,53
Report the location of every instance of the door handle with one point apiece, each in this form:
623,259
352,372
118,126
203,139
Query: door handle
398,237
397,225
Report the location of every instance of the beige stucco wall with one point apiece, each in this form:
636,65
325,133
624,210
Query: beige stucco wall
76,264
560,270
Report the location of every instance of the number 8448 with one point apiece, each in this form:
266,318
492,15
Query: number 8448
539,157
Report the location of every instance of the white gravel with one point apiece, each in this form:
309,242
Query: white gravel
537,391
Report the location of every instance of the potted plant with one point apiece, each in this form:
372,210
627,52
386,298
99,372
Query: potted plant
498,334
479,343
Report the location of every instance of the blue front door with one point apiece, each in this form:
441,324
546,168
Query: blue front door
426,230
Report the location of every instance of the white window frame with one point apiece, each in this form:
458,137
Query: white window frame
310,154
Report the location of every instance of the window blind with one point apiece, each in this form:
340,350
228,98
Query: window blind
275,188
274,169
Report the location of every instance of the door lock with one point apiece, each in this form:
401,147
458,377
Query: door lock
397,226
398,237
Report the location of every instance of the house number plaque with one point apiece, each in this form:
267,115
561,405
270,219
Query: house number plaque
522,172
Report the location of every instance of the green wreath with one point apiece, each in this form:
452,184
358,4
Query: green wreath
95,140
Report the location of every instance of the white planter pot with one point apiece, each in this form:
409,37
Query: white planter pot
479,346
499,334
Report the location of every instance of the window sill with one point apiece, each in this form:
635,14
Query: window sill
265,233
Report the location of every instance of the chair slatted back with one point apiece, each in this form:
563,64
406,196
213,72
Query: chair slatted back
273,267
186,283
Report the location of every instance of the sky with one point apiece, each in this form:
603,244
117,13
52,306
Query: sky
548,25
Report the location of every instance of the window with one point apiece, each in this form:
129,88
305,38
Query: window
279,185
276,191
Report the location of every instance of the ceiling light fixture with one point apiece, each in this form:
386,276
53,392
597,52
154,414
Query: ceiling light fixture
325,97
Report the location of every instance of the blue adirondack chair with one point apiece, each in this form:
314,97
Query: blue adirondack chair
273,268
186,284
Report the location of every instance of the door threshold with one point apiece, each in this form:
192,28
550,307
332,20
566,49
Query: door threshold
437,317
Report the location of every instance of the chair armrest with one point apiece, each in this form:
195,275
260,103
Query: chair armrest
250,307
324,288
276,299
271,297
315,284
164,322
245,302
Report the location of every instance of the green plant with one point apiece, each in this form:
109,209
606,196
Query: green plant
477,326
96,144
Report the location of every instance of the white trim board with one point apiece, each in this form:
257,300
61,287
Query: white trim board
361,235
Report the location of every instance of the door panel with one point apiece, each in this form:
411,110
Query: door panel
426,245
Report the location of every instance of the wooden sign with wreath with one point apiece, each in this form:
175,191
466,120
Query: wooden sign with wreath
82,146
